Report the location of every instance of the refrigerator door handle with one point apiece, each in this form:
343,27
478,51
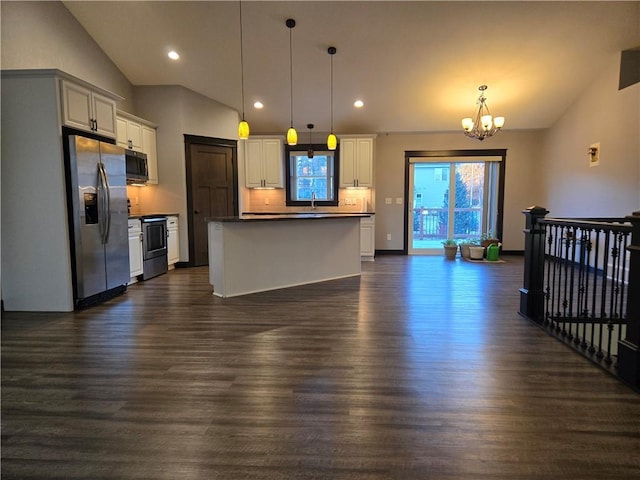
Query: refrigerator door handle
107,194
101,203
103,206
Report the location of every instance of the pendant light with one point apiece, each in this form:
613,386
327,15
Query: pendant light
243,126
332,141
310,150
292,135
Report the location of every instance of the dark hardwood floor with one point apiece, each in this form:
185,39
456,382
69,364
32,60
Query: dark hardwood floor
419,369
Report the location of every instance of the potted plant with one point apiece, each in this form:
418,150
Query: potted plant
488,238
466,244
450,248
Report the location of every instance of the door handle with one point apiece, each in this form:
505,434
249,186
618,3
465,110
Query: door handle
196,212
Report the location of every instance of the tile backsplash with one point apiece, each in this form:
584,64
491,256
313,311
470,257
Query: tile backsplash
275,201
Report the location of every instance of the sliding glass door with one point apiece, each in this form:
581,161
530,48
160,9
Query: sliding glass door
450,198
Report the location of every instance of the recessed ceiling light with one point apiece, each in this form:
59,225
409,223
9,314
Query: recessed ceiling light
258,105
173,55
358,104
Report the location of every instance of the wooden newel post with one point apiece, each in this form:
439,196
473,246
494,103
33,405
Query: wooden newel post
532,291
629,347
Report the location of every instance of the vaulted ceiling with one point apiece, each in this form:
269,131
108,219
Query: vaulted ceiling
417,65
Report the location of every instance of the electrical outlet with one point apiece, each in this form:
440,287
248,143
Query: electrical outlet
266,200
388,236
388,201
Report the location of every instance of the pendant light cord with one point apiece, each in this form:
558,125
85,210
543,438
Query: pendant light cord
241,63
291,71
331,93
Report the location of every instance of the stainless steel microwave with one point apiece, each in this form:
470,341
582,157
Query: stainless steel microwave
137,169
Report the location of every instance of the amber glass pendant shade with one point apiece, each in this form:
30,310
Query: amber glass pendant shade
332,142
243,130
292,136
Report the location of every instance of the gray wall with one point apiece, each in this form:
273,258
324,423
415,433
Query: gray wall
602,114
545,167
178,111
548,167
45,35
521,185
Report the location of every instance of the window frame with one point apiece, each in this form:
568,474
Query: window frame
317,148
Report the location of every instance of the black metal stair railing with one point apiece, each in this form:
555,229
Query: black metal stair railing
582,286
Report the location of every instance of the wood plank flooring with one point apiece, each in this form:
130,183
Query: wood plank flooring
419,369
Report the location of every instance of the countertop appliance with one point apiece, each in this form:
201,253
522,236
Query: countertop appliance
137,168
154,245
97,203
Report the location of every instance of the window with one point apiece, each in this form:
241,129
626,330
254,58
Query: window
456,194
311,175
441,174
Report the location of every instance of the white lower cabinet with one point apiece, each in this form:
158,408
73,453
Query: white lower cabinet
367,238
135,249
173,247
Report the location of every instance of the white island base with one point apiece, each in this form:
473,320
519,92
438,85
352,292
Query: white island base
256,255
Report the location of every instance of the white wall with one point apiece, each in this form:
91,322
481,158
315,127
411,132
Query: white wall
178,111
571,188
36,259
521,185
44,35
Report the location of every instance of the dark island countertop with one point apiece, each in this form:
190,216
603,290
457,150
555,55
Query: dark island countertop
153,215
260,217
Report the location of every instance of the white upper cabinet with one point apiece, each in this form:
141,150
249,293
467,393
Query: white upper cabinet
264,164
149,147
129,134
85,109
356,162
140,135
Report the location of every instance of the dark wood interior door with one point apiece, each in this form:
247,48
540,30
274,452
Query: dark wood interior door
212,189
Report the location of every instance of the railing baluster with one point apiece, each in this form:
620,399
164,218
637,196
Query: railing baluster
548,267
592,348
557,280
585,294
603,297
623,290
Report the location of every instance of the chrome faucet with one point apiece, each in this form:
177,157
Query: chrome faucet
313,200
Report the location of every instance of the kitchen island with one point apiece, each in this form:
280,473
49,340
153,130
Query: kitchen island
256,253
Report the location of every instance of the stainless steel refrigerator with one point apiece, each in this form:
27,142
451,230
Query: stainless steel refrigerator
97,202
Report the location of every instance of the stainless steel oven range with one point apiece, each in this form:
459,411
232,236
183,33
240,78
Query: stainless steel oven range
154,246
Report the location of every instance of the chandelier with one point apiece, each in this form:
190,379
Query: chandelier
484,125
